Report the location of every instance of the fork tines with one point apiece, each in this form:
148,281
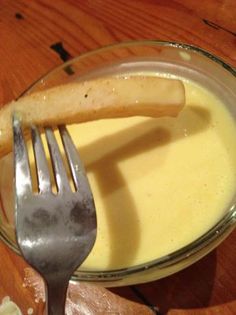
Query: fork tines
22,170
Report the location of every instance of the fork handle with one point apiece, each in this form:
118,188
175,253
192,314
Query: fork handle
56,297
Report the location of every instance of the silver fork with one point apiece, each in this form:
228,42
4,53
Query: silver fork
55,232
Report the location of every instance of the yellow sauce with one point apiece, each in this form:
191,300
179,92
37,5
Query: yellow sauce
158,184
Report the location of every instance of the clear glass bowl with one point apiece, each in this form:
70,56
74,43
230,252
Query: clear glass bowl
168,58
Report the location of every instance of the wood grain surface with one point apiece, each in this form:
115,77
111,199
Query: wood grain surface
36,36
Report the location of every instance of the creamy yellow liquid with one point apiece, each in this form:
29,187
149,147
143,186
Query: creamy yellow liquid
158,184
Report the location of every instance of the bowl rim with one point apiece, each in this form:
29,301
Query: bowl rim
150,42
224,226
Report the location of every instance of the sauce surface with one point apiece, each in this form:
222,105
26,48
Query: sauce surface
158,184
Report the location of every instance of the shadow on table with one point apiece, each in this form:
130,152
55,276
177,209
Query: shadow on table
190,288
209,282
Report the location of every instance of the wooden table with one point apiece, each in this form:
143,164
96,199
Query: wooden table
37,35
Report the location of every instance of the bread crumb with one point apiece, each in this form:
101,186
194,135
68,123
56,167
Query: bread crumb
30,311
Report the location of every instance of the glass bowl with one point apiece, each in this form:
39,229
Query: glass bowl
170,59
